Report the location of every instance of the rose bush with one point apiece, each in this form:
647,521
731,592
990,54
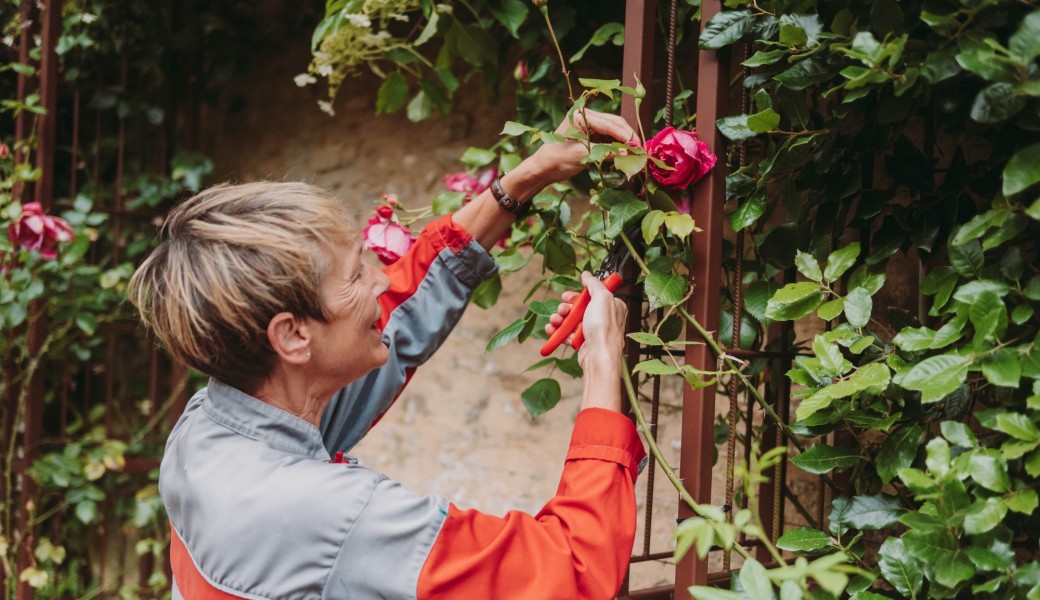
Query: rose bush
469,184
36,231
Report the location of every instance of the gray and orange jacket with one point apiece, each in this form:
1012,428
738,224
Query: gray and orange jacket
259,509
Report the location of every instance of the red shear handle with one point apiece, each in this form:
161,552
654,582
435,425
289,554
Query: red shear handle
573,320
611,283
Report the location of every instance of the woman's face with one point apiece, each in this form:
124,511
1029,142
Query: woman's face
350,344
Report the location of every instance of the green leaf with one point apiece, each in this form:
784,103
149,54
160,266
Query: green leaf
630,164
510,333
478,157
911,339
420,108
651,225
983,516
748,212
804,74
970,292
87,512
967,259
725,28
512,128
646,339
803,539
764,57
679,224
755,580
899,568
1003,368
989,471
958,434
898,451
820,459
858,306
664,289
839,261
997,102
1018,426
831,309
830,357
794,301
1023,170
541,396
873,512
807,265
486,294
655,366
623,215
936,377
940,555
1025,42
871,376
1023,501
447,202
735,128
510,13
762,122
392,93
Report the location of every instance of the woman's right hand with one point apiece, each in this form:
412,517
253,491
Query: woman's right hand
600,355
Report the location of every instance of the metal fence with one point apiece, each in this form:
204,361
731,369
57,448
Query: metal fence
81,142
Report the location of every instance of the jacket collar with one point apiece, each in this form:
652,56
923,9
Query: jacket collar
260,421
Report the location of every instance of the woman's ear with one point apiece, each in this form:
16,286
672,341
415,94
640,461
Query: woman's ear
290,338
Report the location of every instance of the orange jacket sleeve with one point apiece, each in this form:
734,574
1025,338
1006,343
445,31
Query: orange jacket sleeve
577,546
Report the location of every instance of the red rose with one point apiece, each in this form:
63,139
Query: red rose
4,152
388,239
688,157
36,231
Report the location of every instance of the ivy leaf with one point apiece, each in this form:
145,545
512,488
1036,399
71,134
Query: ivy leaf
1023,170
803,539
725,28
899,568
858,306
898,451
821,459
664,289
936,376
794,301
541,396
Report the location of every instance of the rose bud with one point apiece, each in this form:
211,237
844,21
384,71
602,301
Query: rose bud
384,211
4,152
520,71
390,199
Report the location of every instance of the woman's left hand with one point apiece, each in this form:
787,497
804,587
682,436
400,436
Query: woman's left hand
562,160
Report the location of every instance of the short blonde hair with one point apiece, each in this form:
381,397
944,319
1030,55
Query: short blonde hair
232,258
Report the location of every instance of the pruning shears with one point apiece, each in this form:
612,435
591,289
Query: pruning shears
609,273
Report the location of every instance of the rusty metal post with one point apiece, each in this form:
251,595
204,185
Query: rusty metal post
49,66
638,59
695,467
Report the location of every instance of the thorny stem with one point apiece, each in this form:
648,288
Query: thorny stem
730,364
644,430
563,62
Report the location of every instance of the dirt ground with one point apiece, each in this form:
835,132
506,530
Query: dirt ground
460,428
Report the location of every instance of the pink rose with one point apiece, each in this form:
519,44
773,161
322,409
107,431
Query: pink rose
36,231
688,157
388,239
470,185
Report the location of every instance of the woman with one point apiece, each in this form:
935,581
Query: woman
264,288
